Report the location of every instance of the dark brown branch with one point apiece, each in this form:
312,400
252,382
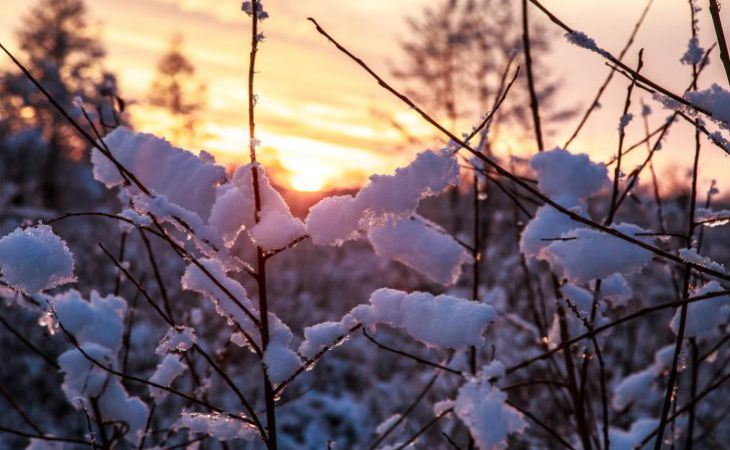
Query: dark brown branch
29,344
424,428
310,362
597,330
416,358
717,23
534,105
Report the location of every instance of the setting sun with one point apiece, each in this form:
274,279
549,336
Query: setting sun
306,182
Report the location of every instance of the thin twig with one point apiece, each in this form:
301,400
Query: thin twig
573,215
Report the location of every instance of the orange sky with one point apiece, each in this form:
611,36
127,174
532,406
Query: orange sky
315,106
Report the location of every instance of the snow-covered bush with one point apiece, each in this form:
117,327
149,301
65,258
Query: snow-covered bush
225,320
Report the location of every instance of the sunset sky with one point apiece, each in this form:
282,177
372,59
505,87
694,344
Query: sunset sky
315,106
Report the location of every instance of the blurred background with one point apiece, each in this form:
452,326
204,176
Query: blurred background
180,66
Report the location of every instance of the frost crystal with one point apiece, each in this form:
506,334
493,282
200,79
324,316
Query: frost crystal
34,259
216,425
691,255
583,40
712,218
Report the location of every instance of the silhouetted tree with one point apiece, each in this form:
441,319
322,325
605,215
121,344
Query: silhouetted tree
62,52
456,56
176,89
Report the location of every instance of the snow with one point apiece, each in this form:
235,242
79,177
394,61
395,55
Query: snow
694,53
35,259
548,223
40,444
160,167
387,424
712,218
276,227
281,362
481,407
629,440
228,214
632,389
691,255
82,377
716,100
616,289
594,254
581,298
583,40
429,174
166,372
84,380
185,221
100,320
720,140
639,385
276,230
441,321
568,178
624,121
194,279
442,406
421,245
704,316
178,339
216,425
335,220
663,358
98,326
138,219
320,336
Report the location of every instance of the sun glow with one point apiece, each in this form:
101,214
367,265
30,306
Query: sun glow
306,182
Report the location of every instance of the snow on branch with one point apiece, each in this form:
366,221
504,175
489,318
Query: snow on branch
335,220
35,259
